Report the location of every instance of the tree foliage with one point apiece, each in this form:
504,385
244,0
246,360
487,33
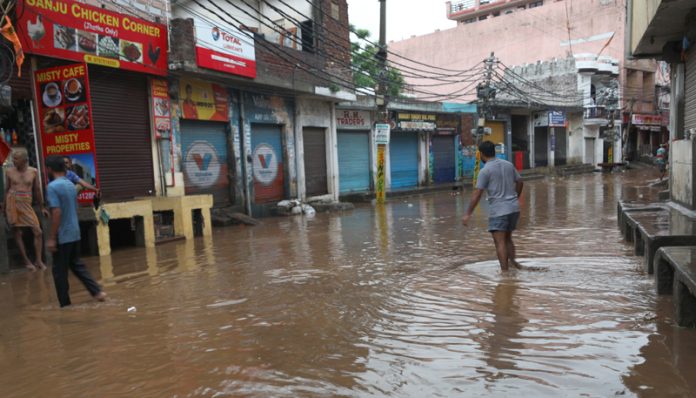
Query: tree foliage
366,72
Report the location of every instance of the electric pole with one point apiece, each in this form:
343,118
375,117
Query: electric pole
382,128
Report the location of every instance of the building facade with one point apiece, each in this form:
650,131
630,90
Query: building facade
530,36
666,30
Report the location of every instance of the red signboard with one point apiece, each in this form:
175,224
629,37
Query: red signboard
646,119
224,48
162,121
75,31
65,111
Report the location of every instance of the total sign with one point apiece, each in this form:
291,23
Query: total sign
202,165
225,48
265,164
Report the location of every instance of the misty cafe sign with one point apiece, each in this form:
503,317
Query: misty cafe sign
71,30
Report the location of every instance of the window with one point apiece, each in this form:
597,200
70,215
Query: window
508,11
536,4
307,32
482,17
496,14
335,11
470,20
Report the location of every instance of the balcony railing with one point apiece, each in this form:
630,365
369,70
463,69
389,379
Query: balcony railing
597,112
464,6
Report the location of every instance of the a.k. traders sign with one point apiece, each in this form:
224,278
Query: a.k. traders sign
75,31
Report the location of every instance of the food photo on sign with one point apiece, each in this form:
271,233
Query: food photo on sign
66,124
69,29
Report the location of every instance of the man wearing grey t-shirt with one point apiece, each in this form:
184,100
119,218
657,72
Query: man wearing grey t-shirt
503,185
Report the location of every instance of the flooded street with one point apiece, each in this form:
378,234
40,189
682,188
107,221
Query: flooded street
398,301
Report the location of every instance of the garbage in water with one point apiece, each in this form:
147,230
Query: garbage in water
132,309
295,207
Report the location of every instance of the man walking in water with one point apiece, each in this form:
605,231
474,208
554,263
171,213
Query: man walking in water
503,185
22,188
64,238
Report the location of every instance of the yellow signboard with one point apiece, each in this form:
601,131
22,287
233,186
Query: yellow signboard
201,100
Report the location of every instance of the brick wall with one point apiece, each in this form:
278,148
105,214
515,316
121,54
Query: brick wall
276,63
150,10
467,124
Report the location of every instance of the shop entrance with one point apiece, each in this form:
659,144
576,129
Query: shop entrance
205,160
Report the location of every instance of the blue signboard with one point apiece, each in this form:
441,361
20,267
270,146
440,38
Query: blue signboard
557,119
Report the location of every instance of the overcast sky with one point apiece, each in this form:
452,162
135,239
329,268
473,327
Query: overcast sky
405,18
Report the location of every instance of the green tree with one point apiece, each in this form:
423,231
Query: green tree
366,73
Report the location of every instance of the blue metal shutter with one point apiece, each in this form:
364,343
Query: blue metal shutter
444,159
268,168
353,161
204,160
403,158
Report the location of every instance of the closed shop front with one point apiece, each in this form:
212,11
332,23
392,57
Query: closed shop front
690,91
315,167
353,161
560,151
122,132
541,146
354,166
205,160
267,163
403,158
443,152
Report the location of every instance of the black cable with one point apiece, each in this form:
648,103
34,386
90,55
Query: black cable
364,39
297,61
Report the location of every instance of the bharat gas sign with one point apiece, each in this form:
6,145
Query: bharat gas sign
71,30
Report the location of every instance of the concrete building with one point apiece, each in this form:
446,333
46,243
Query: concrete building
279,132
666,30
523,33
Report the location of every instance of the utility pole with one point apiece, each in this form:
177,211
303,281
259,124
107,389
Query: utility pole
382,128
485,92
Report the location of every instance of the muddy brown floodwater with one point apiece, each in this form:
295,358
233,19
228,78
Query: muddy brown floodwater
400,301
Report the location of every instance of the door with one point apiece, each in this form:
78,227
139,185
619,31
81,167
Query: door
560,151
353,161
443,159
205,160
403,159
267,163
590,151
122,133
314,144
541,147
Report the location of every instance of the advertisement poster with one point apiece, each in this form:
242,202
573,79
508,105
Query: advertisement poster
65,120
201,100
224,48
162,121
75,31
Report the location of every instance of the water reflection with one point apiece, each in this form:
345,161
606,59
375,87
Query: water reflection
397,300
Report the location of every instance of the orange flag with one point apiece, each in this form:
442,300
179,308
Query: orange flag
4,151
9,32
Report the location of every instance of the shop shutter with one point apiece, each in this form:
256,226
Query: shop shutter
403,158
560,151
205,160
314,144
354,161
690,91
268,167
122,132
443,159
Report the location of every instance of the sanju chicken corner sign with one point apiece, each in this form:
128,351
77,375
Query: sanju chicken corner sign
70,30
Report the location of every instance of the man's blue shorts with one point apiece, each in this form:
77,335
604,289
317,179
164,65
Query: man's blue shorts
507,223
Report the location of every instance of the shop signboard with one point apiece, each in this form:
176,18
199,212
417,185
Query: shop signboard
353,120
201,100
65,120
161,121
382,134
224,48
71,30
557,119
447,123
416,121
646,120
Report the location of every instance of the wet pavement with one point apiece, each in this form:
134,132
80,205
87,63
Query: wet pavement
398,301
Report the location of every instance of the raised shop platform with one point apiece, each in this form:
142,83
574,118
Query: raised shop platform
666,237
133,222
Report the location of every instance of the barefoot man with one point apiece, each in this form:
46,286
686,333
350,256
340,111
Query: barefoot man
64,237
22,188
503,185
